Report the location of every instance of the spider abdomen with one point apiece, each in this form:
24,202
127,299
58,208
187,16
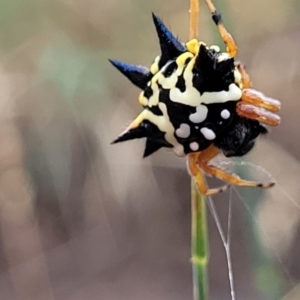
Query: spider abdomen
189,96
199,102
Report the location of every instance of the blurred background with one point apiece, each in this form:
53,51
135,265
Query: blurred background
82,219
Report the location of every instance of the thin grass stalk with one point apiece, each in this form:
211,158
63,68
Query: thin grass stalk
199,236
199,244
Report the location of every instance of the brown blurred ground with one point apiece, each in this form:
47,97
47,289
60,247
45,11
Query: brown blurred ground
81,219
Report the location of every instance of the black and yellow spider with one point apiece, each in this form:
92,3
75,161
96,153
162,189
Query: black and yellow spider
198,101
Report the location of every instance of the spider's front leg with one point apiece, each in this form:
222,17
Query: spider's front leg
254,104
253,112
256,98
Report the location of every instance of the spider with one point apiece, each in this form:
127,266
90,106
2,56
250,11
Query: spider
198,101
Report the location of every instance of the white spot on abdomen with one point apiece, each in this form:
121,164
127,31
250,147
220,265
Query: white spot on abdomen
200,114
183,131
208,133
225,114
194,146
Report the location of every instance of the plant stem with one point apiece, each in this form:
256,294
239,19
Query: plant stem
199,244
199,241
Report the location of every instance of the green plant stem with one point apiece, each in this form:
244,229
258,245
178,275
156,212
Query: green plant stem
200,251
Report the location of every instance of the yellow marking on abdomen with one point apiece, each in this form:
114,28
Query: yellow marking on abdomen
191,96
181,62
142,99
154,67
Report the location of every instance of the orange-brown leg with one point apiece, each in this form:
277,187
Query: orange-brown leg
232,179
251,96
226,36
199,161
245,77
196,172
203,159
250,111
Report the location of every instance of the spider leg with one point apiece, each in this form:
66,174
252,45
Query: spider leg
245,77
253,103
196,172
251,96
253,112
202,162
226,36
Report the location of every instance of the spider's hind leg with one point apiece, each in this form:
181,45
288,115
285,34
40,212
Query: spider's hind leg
226,36
199,161
196,172
231,178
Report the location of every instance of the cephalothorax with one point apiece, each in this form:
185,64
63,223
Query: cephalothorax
198,102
